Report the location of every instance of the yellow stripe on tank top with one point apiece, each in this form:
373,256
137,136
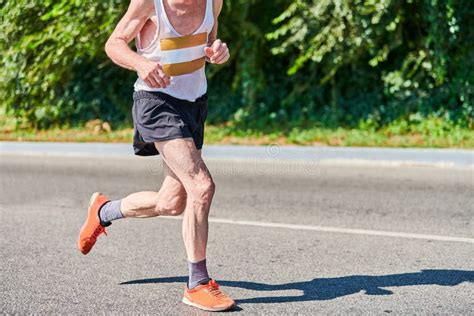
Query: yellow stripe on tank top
173,43
183,42
184,68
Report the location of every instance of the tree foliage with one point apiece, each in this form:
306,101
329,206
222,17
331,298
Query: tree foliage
363,63
379,59
54,63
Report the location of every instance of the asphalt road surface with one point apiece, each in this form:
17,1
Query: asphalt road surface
285,238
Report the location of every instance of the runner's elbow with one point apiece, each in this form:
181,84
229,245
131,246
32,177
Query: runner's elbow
112,45
109,47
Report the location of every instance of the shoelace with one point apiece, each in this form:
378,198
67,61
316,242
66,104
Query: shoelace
99,230
214,290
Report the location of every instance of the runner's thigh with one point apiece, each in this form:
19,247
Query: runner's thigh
182,157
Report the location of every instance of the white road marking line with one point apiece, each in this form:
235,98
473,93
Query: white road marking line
337,230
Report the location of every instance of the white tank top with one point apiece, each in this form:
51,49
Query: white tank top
182,57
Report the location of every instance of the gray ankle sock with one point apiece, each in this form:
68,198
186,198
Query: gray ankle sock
110,211
197,273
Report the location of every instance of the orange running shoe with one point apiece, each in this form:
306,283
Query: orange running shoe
92,228
208,297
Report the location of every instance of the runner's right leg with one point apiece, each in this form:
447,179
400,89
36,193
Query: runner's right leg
170,200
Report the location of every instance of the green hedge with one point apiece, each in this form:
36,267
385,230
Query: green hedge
352,63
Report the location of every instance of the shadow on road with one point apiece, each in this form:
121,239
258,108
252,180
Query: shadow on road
330,288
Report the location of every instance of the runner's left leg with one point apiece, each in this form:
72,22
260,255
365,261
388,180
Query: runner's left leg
182,156
185,161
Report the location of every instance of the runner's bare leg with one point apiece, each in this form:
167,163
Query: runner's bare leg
185,161
169,200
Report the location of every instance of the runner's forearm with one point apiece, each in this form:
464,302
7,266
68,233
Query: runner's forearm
121,54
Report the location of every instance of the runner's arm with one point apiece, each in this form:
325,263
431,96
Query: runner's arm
217,52
217,8
139,11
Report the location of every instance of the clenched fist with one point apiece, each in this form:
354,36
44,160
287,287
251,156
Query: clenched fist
153,75
218,52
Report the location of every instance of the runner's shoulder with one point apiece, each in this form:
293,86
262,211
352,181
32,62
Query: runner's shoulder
147,7
217,6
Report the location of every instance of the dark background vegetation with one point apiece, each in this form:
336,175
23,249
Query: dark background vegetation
353,63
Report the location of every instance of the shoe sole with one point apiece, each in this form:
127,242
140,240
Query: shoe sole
91,201
209,309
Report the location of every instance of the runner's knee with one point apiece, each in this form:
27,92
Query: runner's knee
203,191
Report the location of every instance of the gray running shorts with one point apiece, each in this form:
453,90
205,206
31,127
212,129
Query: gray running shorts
158,116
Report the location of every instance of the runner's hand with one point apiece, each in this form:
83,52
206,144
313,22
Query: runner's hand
218,52
153,75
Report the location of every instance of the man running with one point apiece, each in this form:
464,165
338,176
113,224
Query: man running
174,39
